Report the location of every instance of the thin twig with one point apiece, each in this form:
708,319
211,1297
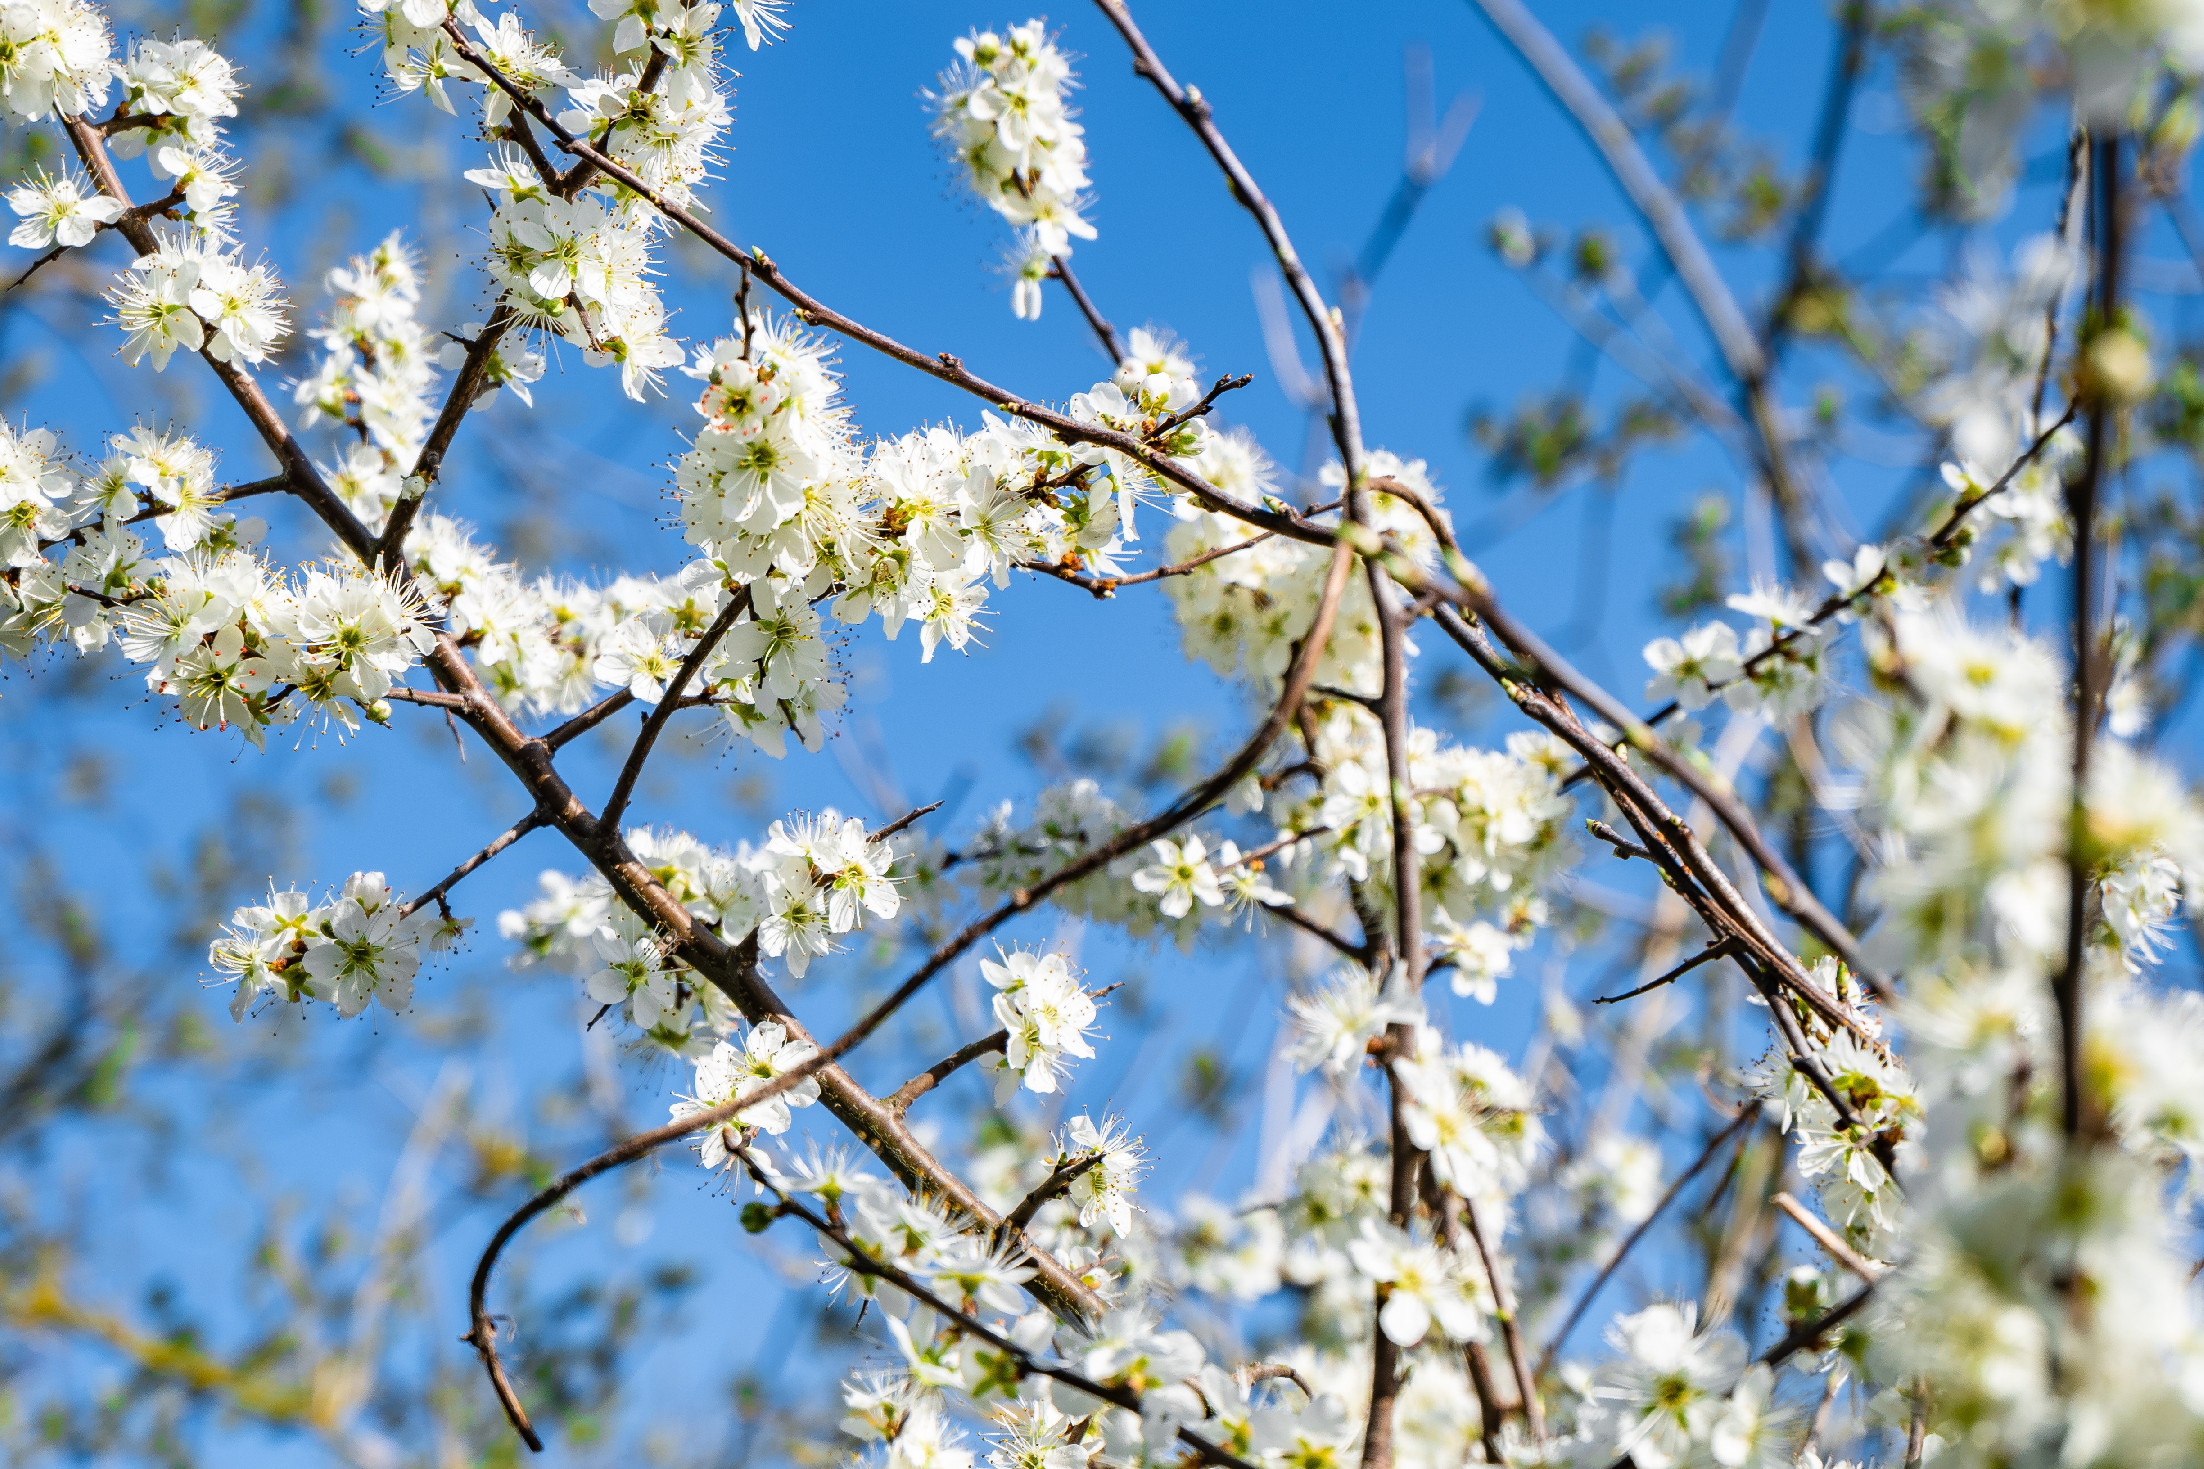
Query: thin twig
1511,1327
1104,333
511,835
1707,955
1805,1218
632,770
1331,338
429,697
590,718
1105,587
901,1098
1743,1120
2081,509
1060,1179
1808,1334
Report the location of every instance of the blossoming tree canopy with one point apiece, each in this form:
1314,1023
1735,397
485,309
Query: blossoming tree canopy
1922,841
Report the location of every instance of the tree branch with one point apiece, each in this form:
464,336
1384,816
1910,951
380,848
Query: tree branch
632,770
1104,333
1738,1124
511,835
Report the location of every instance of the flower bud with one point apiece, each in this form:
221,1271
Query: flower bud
2115,368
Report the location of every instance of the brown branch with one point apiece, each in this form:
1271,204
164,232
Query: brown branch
1784,887
156,510
1104,333
1708,955
1815,189
40,263
1743,1120
916,813
1808,1334
1805,1218
2081,508
589,718
1292,914
1331,337
1200,408
511,835
1511,1329
473,376
902,1097
427,697
1837,603
1105,587
1061,1179
639,752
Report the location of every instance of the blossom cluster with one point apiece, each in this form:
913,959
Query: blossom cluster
55,54
778,490
193,291
1490,831
1244,614
234,640
361,945
377,371
1003,117
813,879
182,89
574,254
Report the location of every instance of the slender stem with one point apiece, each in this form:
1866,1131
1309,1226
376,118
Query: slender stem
902,1097
2069,233
632,770
1662,211
1805,1218
1063,1177
1743,1120
1837,603
511,835
1665,216
451,703
1385,1378
2081,504
589,718
1706,955
1511,1328
1096,322
1105,587
1808,1334
473,377
1331,336
1293,915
